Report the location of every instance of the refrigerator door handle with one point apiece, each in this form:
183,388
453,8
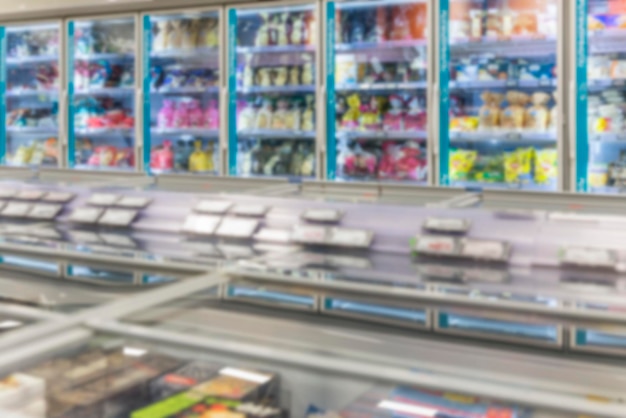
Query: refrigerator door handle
323,143
571,138
223,134
139,133
437,104
63,126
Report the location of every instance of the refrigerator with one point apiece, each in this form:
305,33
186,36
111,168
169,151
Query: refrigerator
181,76
272,90
101,97
599,100
377,89
499,85
29,90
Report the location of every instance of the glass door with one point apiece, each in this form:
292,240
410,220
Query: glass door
181,78
499,78
272,89
376,85
30,95
101,93
601,147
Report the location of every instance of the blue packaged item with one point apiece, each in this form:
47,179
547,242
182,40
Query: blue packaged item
536,71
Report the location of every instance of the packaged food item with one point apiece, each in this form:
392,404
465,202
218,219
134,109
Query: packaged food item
308,114
493,24
546,170
279,117
246,116
415,118
554,114
476,22
393,119
345,69
525,23
200,160
512,167
538,115
489,113
351,117
599,67
618,69
411,163
370,119
461,163
264,116
493,69
488,169
514,115
599,175
536,71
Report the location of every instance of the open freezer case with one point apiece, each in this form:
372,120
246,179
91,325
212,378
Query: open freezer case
377,83
29,86
498,87
101,94
181,88
600,81
272,87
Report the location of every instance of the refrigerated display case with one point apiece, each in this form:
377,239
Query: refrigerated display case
377,82
600,80
272,88
181,87
499,77
101,77
29,90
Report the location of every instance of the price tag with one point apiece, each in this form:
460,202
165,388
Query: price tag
485,250
58,197
273,235
136,202
322,215
16,209
201,225
309,234
350,237
250,210
440,272
447,225
590,257
118,217
103,199
86,215
119,240
45,211
436,245
237,228
7,193
213,206
30,195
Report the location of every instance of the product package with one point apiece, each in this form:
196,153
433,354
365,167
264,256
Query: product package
538,115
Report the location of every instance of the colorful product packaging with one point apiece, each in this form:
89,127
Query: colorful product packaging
546,168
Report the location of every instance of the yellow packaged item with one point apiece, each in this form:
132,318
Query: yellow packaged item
512,167
461,163
546,169
199,160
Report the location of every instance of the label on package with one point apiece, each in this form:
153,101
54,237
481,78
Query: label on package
16,209
273,235
201,224
118,217
322,215
213,206
45,211
309,234
103,199
591,257
237,228
250,210
456,225
485,250
86,215
436,245
58,197
345,237
136,202
29,195
7,193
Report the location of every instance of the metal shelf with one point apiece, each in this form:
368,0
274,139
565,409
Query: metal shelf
37,59
105,131
276,134
33,129
104,56
501,84
105,91
598,85
411,85
365,46
274,49
607,41
383,135
517,47
276,89
477,185
185,90
521,138
31,93
203,132
608,137
191,53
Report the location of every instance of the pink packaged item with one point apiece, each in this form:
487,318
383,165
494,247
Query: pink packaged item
212,115
394,118
165,118
163,158
415,119
181,115
411,165
387,166
195,115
